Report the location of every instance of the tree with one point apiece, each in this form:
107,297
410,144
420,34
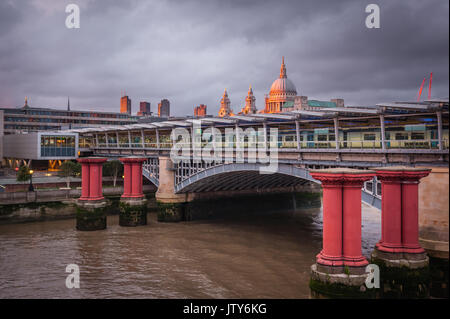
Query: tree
23,174
113,169
69,169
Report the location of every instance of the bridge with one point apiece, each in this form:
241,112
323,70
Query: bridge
354,154
411,134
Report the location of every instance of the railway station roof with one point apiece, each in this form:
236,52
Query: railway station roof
248,118
228,120
312,113
283,116
353,110
405,106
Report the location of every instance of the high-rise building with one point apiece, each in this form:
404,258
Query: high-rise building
125,105
200,110
144,109
34,119
225,108
164,108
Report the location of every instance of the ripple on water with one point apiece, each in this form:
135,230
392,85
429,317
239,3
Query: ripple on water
236,256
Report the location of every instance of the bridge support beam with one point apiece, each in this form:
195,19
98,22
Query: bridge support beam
404,264
133,205
91,206
339,270
170,206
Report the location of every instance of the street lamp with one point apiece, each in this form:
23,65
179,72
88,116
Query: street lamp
31,188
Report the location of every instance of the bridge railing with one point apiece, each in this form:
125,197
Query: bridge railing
353,144
373,187
150,169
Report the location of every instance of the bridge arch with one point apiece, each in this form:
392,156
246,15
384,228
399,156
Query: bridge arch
240,176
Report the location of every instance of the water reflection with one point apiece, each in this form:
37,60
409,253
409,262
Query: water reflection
239,255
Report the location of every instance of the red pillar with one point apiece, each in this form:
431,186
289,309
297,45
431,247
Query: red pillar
410,214
133,176
351,224
400,209
84,178
126,179
91,178
331,254
391,211
136,180
341,216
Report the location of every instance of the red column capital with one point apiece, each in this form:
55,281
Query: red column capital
398,174
132,159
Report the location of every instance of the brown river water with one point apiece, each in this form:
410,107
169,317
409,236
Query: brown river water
264,255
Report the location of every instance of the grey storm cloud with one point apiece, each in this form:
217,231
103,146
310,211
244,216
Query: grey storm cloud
189,51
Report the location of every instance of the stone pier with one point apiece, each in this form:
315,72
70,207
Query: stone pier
340,268
133,205
91,206
404,264
433,227
171,206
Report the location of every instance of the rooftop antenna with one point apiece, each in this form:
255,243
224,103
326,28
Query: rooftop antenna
429,86
420,90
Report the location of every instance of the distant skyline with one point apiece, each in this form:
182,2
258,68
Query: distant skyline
189,51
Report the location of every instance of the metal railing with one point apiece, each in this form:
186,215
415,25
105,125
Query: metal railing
355,144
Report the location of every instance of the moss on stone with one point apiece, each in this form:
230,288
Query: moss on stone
170,212
439,277
132,215
321,289
91,218
403,282
8,209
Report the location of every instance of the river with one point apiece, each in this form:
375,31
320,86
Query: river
264,255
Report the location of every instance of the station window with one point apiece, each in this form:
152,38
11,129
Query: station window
417,136
369,137
322,137
289,138
401,136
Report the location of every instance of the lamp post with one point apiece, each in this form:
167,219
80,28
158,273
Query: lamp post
31,188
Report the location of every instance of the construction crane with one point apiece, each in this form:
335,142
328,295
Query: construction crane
429,87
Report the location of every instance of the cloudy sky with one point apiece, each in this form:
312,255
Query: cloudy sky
189,51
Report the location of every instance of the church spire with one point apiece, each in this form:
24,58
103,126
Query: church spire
68,104
26,102
283,69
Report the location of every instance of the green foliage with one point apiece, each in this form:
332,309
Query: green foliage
113,169
23,174
69,168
